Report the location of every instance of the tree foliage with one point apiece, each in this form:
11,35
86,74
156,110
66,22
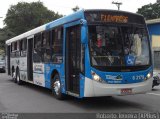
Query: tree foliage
76,8
23,17
26,16
150,11
5,34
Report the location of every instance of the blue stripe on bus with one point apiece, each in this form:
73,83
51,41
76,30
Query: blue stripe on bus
48,70
66,19
126,77
82,80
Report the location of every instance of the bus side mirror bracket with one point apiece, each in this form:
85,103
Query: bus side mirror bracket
83,31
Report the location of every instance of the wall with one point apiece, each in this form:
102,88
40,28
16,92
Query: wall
154,29
154,32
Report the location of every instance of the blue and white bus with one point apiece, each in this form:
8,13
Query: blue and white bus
90,53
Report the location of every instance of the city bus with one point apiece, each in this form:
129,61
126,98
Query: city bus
90,53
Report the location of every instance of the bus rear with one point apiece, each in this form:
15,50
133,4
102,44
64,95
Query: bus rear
118,59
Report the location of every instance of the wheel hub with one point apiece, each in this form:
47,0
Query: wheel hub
18,78
57,87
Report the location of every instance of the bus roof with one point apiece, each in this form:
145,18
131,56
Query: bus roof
60,21
110,10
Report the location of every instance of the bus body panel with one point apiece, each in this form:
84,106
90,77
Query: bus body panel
93,88
96,89
82,82
48,70
23,68
67,19
123,77
38,74
42,72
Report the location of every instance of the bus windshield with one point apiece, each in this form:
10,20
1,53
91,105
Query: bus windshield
118,45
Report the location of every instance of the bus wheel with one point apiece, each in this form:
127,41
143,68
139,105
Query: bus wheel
14,76
19,81
56,87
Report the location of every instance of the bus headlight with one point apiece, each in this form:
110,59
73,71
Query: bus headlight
97,77
149,75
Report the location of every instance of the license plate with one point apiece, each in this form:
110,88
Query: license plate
126,91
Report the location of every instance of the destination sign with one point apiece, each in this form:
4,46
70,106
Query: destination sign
108,16
113,18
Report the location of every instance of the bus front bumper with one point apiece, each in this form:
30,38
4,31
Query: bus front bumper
97,89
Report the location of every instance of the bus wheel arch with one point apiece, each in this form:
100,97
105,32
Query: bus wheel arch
56,85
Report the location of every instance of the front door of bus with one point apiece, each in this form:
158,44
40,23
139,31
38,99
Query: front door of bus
29,59
73,50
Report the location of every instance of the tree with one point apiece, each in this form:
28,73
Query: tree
150,11
26,16
76,8
5,34
23,17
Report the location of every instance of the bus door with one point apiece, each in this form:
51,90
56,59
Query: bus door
30,58
73,51
8,58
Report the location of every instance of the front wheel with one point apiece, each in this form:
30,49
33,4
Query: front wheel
56,87
14,76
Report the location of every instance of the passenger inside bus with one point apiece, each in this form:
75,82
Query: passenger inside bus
105,47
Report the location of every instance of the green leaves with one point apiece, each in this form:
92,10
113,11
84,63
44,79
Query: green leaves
150,11
24,17
76,8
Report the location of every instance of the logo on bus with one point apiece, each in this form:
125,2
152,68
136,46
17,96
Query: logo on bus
38,68
118,77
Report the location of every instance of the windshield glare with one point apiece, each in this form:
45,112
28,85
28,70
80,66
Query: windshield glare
118,46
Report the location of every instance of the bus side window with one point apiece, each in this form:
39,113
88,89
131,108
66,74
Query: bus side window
57,45
37,52
46,51
20,45
18,49
13,49
15,46
23,47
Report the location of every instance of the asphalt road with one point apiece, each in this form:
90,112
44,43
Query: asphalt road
33,99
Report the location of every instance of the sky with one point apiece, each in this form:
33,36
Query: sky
65,6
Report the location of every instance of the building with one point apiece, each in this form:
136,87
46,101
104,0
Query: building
154,32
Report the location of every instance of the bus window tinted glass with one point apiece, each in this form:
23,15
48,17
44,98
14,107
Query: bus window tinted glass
136,45
118,46
57,45
37,52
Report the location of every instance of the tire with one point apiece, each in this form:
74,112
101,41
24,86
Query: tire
56,88
18,80
14,76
